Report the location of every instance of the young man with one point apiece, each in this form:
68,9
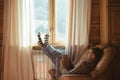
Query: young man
87,62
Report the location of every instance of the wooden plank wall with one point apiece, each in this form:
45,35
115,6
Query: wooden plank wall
114,33
1,33
114,21
95,23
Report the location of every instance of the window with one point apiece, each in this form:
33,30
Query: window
50,16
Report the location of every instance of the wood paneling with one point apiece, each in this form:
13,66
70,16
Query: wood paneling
114,2
1,37
95,23
114,30
114,21
1,15
95,2
1,33
116,64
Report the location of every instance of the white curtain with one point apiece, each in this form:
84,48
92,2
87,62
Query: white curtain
78,29
17,40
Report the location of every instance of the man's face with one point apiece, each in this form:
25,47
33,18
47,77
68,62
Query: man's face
91,55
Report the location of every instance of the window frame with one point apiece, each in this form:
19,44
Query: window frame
52,23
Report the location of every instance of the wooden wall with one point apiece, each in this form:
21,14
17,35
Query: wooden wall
95,23
114,21
1,33
114,32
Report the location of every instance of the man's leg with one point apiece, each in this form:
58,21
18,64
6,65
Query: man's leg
50,51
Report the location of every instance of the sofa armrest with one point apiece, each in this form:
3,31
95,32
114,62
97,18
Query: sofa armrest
104,62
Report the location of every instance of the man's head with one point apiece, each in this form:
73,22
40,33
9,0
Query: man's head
95,53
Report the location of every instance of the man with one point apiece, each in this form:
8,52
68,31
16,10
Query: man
87,62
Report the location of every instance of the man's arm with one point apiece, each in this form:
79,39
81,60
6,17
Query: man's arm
65,64
84,67
76,70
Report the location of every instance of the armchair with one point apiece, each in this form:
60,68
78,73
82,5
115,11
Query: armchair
102,70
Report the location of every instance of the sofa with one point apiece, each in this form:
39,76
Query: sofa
103,70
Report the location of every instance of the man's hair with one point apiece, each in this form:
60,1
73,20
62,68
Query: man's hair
98,52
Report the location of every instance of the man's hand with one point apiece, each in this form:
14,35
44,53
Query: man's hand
65,62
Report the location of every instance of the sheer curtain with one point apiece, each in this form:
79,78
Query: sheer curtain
78,29
17,40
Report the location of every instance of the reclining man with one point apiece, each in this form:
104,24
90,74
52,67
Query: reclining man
63,64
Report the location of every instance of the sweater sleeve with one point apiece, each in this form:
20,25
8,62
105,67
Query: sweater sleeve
83,68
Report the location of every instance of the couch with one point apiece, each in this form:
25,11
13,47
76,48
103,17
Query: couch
103,70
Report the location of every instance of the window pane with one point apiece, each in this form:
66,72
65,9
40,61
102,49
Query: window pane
61,17
41,16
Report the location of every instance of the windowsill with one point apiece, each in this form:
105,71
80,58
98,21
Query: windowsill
36,47
55,46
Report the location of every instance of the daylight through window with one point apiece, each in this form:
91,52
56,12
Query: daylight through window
50,16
